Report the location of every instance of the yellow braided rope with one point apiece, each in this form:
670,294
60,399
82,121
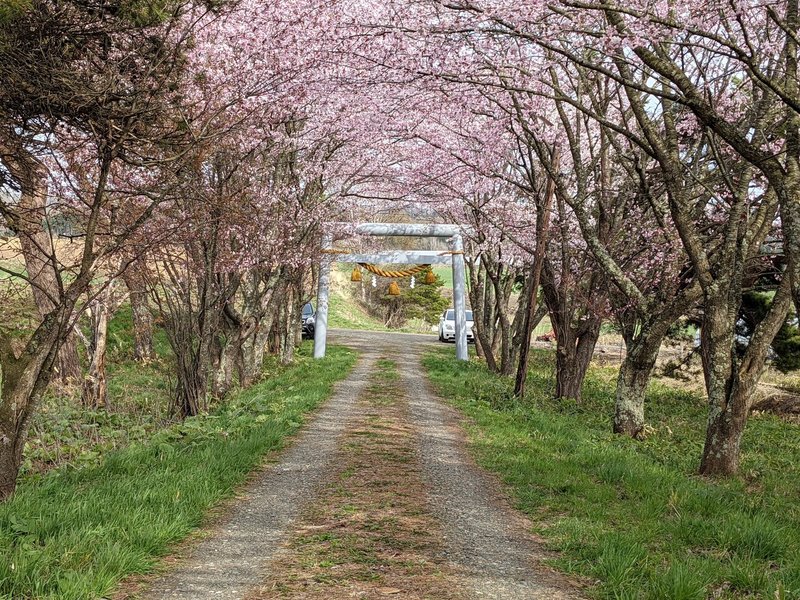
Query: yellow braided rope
394,274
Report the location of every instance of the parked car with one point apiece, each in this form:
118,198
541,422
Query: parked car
447,326
309,318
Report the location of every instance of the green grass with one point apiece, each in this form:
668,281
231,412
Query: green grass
76,531
64,431
633,516
345,313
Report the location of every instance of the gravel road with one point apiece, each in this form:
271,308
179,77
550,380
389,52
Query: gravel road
487,543
232,560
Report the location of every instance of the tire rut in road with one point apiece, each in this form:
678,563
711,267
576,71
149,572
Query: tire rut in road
231,561
486,540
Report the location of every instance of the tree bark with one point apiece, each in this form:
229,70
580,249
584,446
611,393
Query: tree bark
491,284
573,354
483,325
258,314
191,389
634,375
726,424
288,328
643,333
22,382
788,177
543,211
226,366
253,353
95,388
576,328
730,381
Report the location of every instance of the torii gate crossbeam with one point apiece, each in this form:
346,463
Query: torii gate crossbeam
455,256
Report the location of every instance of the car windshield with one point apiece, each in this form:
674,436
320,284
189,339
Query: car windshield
308,310
451,315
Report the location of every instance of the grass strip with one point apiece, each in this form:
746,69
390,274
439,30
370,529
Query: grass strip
78,531
633,516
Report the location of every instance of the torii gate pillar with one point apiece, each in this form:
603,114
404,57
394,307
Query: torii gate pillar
452,232
459,292
321,319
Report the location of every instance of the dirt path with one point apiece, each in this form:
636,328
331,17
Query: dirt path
487,540
370,534
231,561
377,498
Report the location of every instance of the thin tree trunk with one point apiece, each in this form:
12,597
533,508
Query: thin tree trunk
542,224
191,391
95,389
475,291
789,190
287,331
503,335
482,324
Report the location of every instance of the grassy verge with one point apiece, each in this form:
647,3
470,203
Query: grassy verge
632,516
345,313
63,431
76,532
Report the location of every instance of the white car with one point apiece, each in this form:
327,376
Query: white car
447,326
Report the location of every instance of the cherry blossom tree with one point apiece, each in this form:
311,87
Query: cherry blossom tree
88,104
664,81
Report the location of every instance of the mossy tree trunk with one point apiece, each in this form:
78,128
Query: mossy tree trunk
95,388
634,375
731,380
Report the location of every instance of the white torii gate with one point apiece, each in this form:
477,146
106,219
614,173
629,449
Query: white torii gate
455,256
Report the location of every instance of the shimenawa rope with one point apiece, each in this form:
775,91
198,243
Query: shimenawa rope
394,274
